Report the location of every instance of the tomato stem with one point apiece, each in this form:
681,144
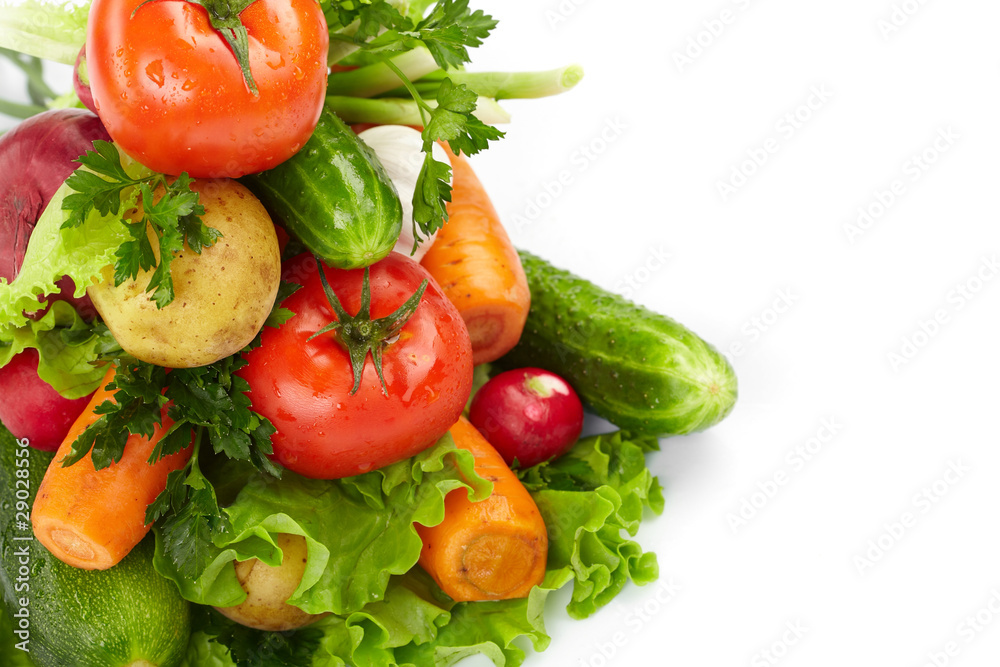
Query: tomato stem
224,15
360,334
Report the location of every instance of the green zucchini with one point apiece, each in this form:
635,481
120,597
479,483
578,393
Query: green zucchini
334,196
10,655
127,615
638,369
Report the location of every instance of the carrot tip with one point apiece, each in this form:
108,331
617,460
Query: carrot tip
71,548
484,330
482,555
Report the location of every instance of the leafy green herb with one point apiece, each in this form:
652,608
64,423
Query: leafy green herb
450,121
191,516
256,648
450,28
102,184
278,314
447,32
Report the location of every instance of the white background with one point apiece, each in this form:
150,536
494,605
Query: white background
873,343
854,298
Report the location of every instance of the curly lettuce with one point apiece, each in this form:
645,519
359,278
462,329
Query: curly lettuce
50,30
358,530
67,349
81,252
589,499
592,499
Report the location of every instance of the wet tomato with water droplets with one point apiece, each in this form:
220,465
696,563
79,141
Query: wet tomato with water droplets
303,382
172,93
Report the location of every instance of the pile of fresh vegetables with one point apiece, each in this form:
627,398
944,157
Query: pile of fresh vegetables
307,403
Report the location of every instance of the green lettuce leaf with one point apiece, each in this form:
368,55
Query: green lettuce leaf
591,499
488,628
358,530
50,30
67,346
80,252
414,625
205,651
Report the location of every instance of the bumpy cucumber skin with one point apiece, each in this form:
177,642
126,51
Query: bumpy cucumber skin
640,370
82,618
334,196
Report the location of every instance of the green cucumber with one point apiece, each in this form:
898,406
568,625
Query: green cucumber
334,196
127,615
638,369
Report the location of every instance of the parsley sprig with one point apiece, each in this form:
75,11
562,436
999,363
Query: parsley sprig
248,647
448,31
173,221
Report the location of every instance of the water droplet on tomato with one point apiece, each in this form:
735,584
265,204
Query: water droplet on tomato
188,84
154,71
298,73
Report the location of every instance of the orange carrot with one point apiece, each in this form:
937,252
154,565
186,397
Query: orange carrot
491,550
89,518
478,268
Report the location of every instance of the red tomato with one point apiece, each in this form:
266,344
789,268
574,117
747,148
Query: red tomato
304,387
172,95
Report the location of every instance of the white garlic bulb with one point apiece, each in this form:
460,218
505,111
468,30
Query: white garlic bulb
398,148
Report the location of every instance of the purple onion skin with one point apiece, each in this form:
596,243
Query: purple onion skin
83,89
35,158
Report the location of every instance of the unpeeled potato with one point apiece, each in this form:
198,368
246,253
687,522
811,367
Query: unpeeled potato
268,589
222,296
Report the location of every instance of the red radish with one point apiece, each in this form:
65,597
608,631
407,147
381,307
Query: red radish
81,83
32,409
528,414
